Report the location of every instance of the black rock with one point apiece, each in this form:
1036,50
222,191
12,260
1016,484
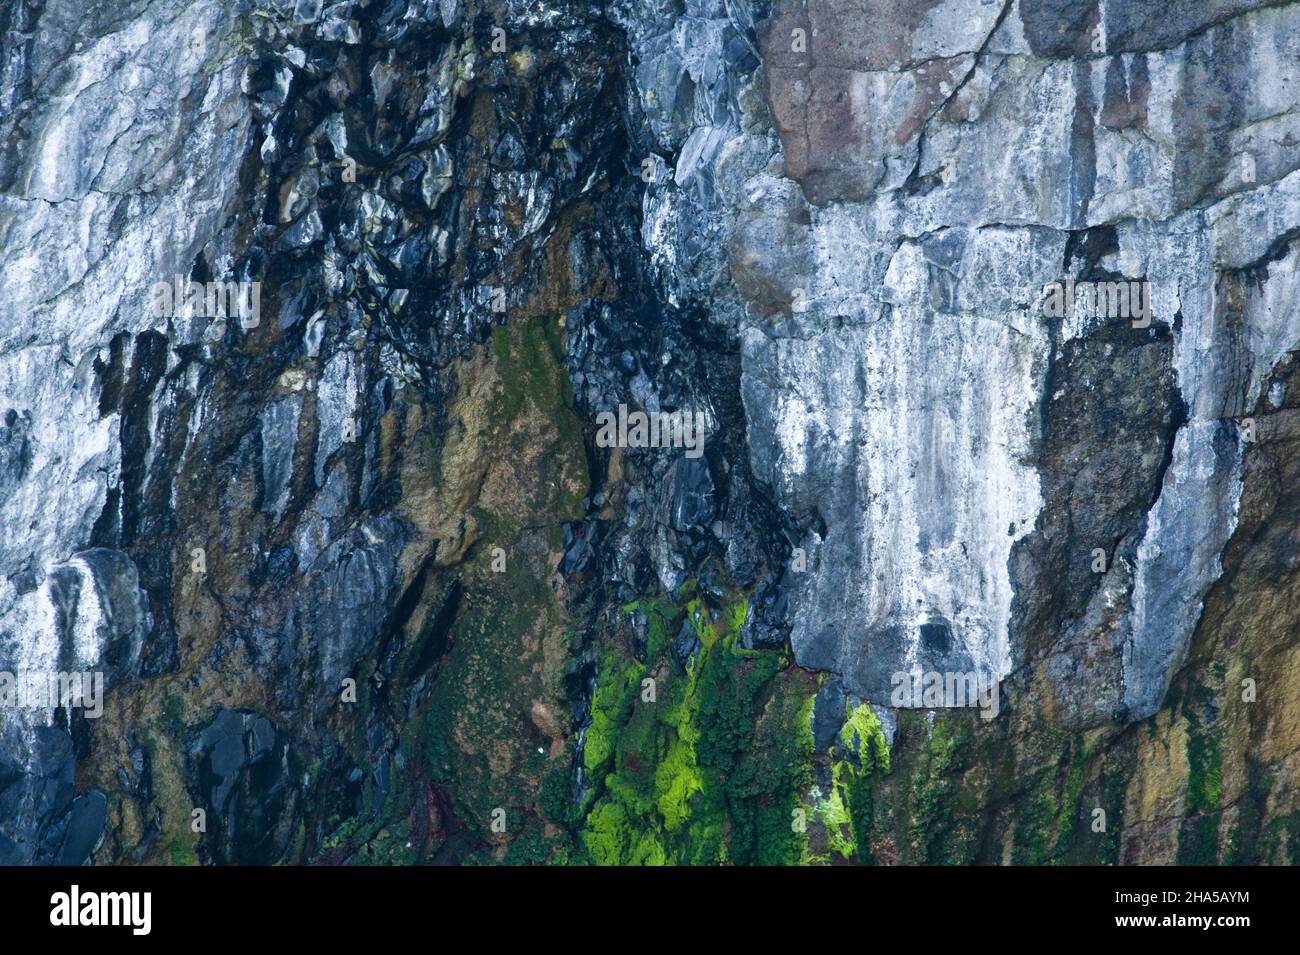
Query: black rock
692,495
686,645
242,768
828,712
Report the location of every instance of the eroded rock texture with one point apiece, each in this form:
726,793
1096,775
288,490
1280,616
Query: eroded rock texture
364,586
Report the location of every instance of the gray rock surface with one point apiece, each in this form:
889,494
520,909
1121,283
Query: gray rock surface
889,248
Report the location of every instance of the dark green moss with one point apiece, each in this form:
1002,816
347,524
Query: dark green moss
1198,842
1242,847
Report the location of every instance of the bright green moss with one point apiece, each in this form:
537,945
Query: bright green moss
845,812
706,772
863,736
677,779
832,812
677,775
610,706
611,839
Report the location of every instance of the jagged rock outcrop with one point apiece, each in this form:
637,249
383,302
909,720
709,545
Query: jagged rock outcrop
900,370
972,482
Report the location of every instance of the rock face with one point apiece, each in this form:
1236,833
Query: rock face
310,312
240,763
898,403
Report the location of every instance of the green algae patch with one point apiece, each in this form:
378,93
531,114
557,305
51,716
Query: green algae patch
1198,842
695,765
611,706
844,813
535,399
864,737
